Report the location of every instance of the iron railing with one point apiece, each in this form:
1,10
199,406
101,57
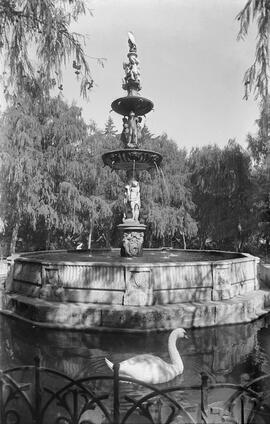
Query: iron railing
38,395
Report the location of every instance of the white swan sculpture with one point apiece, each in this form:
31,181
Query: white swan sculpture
152,369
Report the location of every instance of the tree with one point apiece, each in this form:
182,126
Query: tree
221,191
256,79
167,206
20,171
258,147
36,40
256,76
110,127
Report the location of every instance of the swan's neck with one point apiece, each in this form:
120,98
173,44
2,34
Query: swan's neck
173,352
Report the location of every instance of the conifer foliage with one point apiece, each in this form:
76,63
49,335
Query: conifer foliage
257,75
36,41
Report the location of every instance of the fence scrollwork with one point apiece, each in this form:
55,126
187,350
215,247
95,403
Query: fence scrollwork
39,395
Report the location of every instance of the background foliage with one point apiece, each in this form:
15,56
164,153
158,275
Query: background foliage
55,191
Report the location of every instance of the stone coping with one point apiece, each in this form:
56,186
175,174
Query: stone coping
127,262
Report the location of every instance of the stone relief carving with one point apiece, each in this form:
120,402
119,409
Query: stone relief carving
132,244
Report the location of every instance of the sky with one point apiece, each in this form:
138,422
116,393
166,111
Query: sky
192,67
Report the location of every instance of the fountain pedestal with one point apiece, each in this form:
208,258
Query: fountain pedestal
132,238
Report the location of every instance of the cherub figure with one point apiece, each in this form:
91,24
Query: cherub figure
135,200
132,130
134,69
132,201
139,128
125,132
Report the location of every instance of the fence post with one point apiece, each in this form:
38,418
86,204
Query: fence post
204,397
116,403
2,406
37,391
242,400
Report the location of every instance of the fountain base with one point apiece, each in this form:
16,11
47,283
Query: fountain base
166,288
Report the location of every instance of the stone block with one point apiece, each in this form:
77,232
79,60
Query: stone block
26,289
27,271
242,270
93,276
94,296
139,287
223,294
145,318
221,276
180,276
163,297
245,287
205,315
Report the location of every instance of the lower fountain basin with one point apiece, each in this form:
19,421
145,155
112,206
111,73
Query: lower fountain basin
163,289
129,159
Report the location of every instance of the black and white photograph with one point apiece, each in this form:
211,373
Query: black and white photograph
134,211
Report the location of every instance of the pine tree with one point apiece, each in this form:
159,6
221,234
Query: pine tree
110,127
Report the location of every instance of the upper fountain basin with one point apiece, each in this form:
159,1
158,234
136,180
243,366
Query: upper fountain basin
137,104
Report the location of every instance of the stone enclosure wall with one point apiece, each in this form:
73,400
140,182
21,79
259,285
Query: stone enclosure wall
135,285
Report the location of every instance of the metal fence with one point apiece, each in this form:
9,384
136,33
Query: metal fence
39,395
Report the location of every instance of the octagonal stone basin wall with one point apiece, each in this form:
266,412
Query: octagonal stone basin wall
160,277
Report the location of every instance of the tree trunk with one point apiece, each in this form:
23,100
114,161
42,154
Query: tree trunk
48,240
184,241
14,237
150,241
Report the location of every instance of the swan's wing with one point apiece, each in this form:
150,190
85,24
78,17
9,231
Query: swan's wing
148,368
109,363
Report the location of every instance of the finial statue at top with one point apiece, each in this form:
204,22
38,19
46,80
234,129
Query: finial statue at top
132,42
131,82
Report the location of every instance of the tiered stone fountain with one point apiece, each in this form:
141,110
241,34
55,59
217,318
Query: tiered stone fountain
132,158
133,290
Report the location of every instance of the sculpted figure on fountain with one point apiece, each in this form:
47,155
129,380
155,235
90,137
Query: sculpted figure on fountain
131,133
132,78
132,201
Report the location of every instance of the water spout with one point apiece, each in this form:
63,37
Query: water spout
165,183
161,173
134,169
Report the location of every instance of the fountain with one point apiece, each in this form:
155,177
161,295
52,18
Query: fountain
133,290
132,158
